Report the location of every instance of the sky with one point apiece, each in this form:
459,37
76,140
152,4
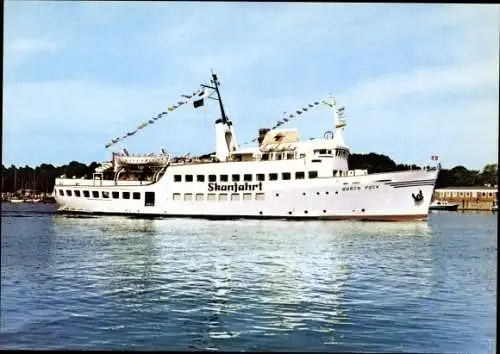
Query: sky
416,79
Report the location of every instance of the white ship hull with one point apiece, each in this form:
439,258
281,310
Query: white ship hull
381,196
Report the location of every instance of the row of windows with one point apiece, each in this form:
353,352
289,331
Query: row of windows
246,177
465,194
96,194
211,197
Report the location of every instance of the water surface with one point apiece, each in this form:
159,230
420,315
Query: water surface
119,283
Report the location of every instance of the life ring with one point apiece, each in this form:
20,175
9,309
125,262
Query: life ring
418,197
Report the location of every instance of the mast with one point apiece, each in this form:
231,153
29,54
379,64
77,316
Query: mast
215,81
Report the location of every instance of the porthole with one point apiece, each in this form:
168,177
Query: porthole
260,212
304,193
305,211
336,192
289,213
363,210
317,193
277,194
324,211
327,193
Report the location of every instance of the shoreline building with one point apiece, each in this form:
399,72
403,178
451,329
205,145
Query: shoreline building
469,198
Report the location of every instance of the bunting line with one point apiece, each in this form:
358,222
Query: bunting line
198,95
288,117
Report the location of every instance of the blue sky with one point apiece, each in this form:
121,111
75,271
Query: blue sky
417,80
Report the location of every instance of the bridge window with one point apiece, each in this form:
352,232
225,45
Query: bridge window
115,195
95,194
126,195
105,194
261,177
247,177
286,175
176,196
211,197
224,178
188,197
188,178
313,174
69,194
212,178
136,195
259,196
77,193
236,178
265,157
177,178
273,176
290,155
200,178
61,192
86,194
199,197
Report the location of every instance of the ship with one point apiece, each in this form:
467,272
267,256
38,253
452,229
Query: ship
282,177
443,205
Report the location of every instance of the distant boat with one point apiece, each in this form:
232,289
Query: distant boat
16,200
443,205
494,207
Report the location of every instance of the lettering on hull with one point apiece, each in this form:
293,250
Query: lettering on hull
234,187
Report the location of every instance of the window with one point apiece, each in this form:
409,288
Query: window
86,194
313,174
126,195
149,199
77,193
199,197
265,157
177,178
211,197
176,196
300,175
212,178
61,192
188,197
188,178
95,194
247,196
105,194
247,177
115,195
136,195
259,196
235,197
200,178
224,178
69,194
273,176
261,177
286,175
236,178
290,155
223,196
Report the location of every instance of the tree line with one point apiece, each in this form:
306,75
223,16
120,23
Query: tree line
42,178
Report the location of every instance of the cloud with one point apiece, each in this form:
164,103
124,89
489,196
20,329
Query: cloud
428,81
21,48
